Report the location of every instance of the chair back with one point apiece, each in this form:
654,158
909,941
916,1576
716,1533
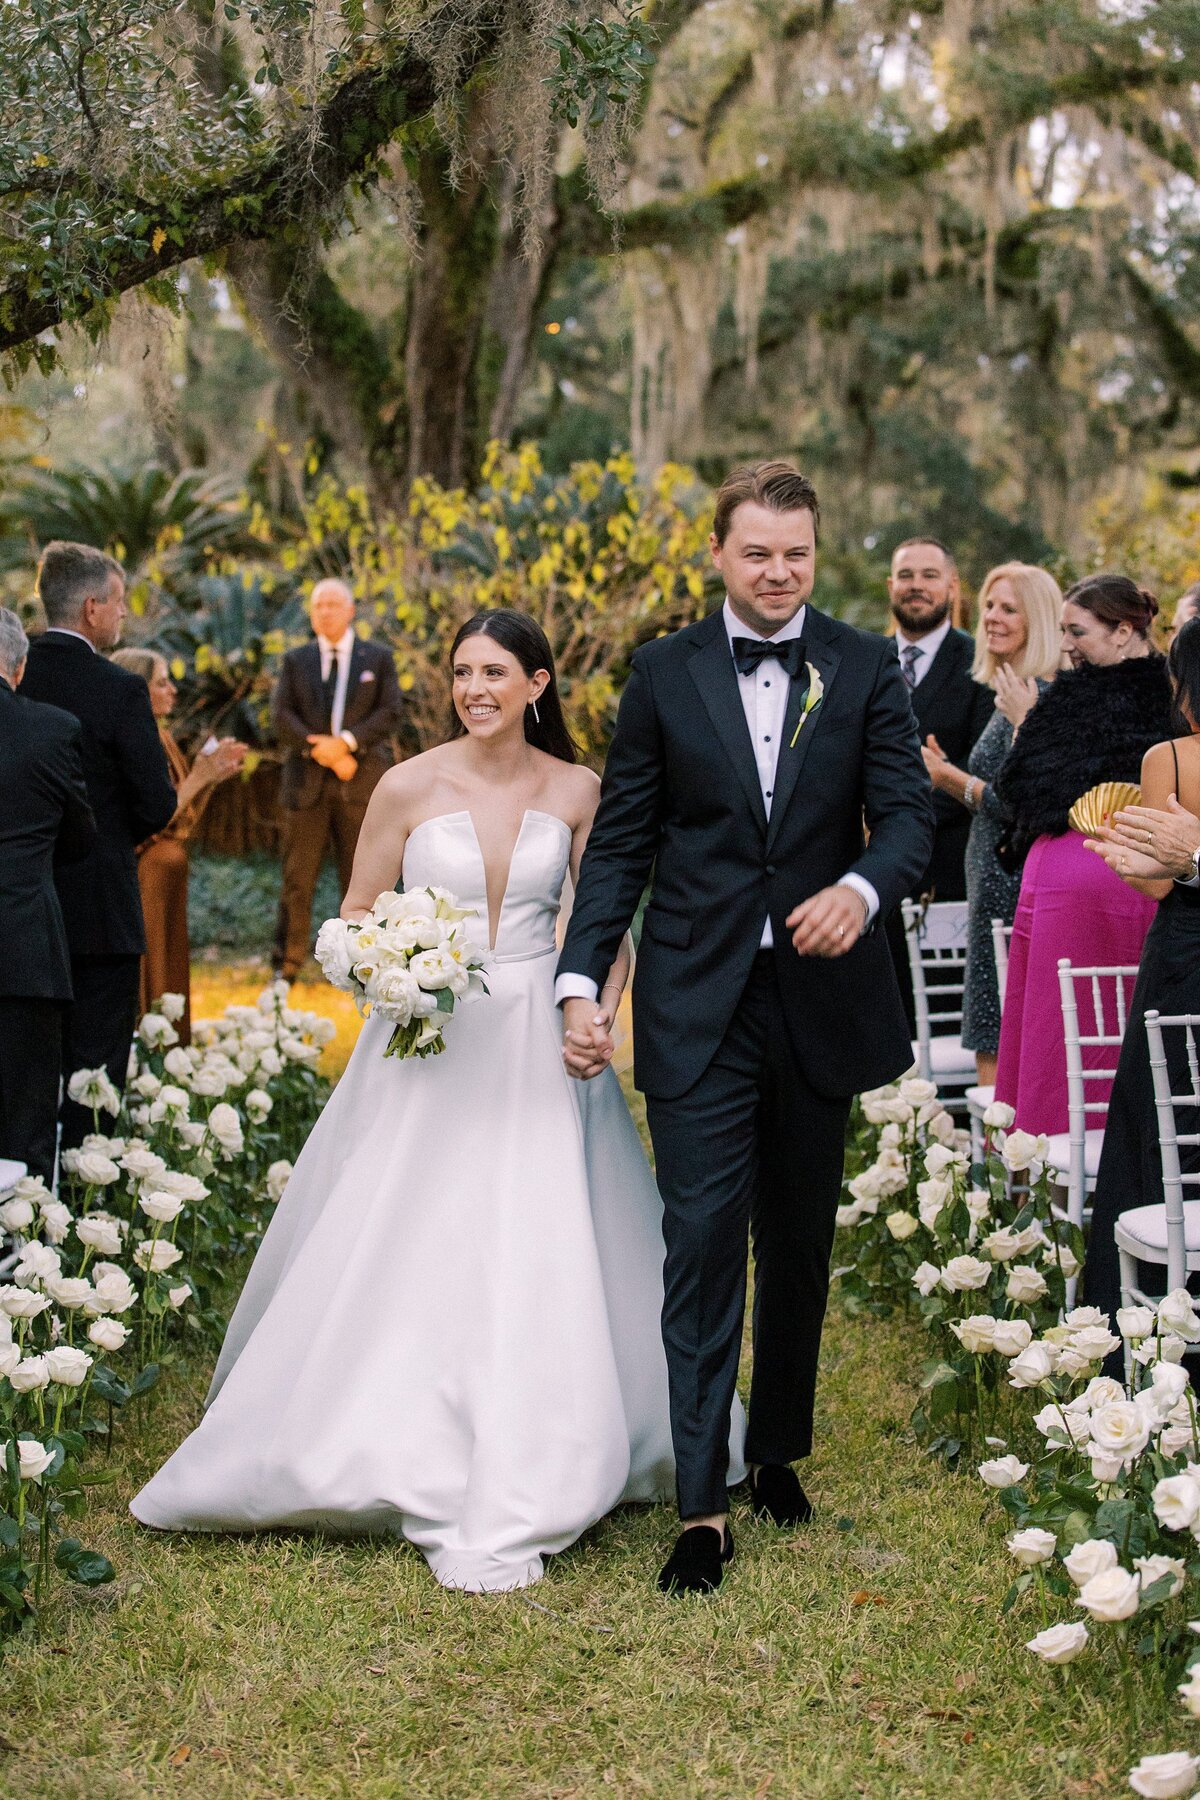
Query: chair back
1001,937
1175,1110
936,935
1108,990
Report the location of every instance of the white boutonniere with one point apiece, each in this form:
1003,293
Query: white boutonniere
813,699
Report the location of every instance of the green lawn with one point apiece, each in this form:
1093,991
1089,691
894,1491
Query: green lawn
863,1655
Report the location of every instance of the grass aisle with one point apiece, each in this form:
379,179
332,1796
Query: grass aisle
863,1655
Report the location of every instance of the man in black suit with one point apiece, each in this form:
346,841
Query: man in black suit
44,819
748,751
950,707
129,788
336,709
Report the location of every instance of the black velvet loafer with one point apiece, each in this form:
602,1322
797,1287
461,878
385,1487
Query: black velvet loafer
697,1563
776,1494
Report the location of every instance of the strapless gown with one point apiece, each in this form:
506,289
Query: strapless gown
451,1331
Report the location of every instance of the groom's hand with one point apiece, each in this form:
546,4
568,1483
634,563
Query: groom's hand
587,1042
828,923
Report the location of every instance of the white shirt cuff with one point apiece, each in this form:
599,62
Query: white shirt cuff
349,738
865,892
575,987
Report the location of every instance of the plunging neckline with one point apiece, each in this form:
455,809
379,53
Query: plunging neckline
530,812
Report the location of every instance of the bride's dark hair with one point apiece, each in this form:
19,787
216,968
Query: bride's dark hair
523,638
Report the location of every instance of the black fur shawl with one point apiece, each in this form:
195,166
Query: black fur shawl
1092,724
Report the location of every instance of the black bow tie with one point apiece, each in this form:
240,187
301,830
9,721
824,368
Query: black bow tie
749,652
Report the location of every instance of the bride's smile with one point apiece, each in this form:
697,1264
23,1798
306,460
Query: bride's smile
491,690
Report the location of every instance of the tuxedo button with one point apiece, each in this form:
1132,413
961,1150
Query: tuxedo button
770,868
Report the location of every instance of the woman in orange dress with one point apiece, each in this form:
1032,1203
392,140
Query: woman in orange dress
163,859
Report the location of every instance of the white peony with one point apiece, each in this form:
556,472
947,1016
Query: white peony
1059,1643
1003,1472
68,1367
1094,1556
107,1334
1032,1546
1164,1777
1110,1596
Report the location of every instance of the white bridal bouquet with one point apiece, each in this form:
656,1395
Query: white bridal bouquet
411,959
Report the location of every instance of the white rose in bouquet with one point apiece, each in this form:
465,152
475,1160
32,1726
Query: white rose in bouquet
1032,1546
23,1303
100,1231
1003,1471
926,1278
156,1255
1012,1336
1059,1643
114,1292
17,1214
901,1225
108,1334
962,1274
1111,1596
68,1367
1154,1568
1176,1501
69,1291
1026,1285
33,1459
976,1333
1164,1777
1094,1556
277,1178
30,1376
94,1089
1175,1314
158,1204
335,951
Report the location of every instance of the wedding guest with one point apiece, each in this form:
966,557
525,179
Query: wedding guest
129,787
162,861
336,709
1017,653
951,711
1130,1172
1093,724
44,818
1186,607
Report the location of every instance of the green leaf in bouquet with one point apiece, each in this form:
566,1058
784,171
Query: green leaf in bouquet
445,1000
87,1567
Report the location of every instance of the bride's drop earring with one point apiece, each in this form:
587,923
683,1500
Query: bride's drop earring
536,718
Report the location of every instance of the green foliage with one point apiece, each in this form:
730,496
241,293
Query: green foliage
232,900
600,65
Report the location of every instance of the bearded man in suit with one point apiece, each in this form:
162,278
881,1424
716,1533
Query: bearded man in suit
951,709
750,751
129,788
336,709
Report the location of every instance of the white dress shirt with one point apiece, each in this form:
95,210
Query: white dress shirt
65,631
927,648
764,694
341,651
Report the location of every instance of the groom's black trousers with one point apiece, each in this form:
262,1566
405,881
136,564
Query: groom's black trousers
750,1147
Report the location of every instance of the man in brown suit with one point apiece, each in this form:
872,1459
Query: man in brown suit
336,709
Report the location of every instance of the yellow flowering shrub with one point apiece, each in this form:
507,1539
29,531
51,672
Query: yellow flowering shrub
601,560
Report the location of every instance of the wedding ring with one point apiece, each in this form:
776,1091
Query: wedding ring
841,931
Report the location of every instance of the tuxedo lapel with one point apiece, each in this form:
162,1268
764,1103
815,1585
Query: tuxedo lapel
818,655
712,670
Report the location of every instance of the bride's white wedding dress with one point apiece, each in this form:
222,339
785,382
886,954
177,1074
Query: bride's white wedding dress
451,1330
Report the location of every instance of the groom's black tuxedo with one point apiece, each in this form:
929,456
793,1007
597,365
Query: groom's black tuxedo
748,1058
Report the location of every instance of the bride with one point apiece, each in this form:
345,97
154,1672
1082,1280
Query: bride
452,1328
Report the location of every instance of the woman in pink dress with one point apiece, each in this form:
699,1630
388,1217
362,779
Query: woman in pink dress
1095,723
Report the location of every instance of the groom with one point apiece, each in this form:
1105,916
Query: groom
750,751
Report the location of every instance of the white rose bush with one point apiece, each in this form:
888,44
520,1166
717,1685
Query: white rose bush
412,959
137,1257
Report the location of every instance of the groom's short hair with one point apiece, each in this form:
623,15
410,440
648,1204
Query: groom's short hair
776,484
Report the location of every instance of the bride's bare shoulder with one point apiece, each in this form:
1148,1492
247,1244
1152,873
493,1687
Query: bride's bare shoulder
575,789
406,786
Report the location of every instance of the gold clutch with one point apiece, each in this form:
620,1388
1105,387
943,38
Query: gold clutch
1098,805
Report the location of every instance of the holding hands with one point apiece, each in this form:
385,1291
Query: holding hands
587,1034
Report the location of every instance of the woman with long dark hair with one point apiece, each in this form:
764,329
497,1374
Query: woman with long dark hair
451,1332
1093,725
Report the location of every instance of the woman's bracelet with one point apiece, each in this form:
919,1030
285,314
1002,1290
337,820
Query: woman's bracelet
611,987
972,792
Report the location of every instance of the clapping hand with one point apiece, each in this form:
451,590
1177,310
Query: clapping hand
1015,697
1150,843
936,761
221,760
